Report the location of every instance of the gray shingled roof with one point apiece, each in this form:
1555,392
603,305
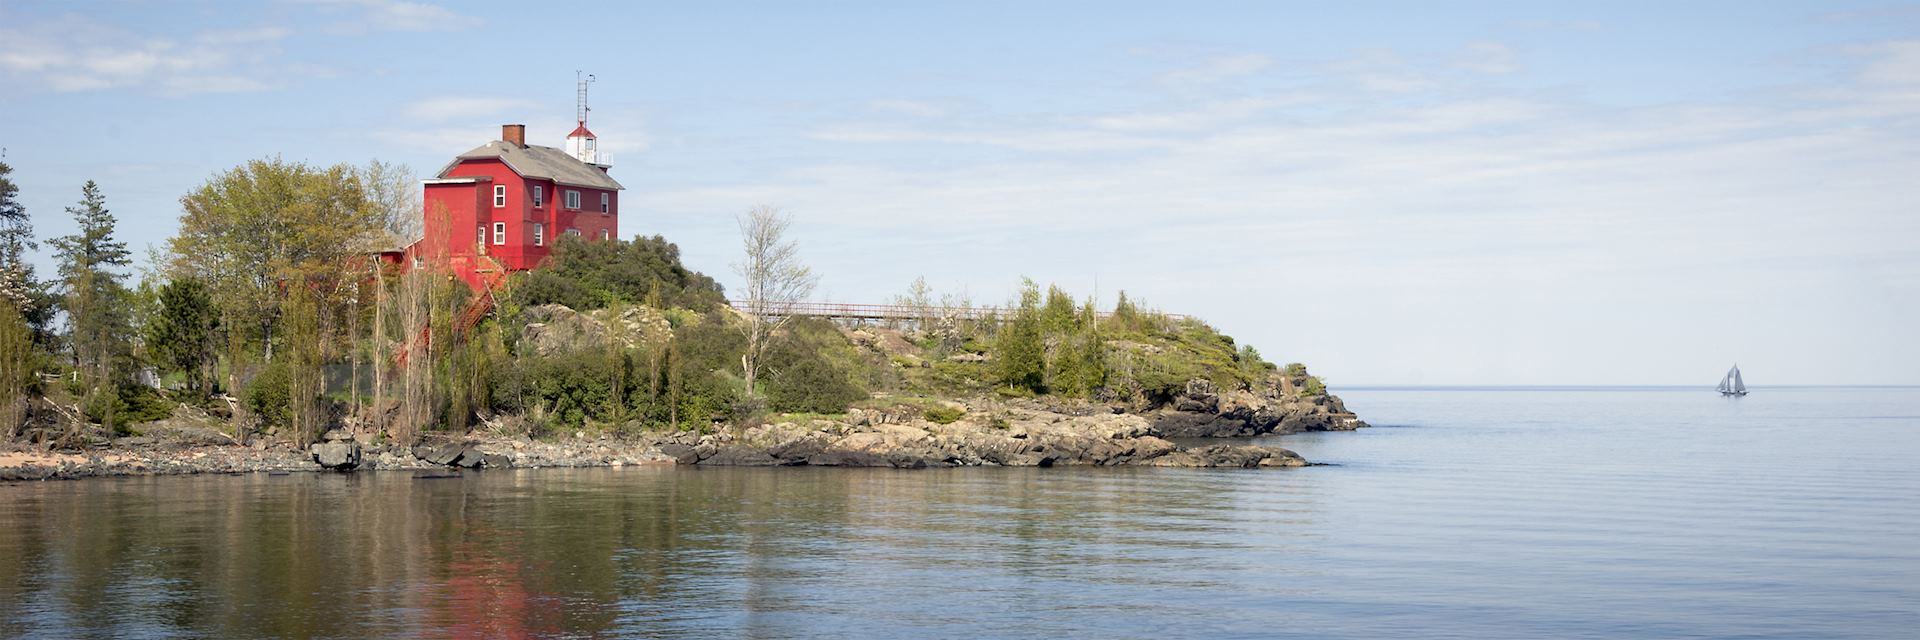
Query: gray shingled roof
545,163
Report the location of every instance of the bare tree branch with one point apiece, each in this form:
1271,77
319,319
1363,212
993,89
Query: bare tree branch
775,280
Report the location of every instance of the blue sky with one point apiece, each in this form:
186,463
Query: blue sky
1416,193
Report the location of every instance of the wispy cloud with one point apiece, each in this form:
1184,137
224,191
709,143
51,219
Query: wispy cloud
1447,194
1383,71
79,52
1581,26
915,108
1894,64
1219,69
395,15
253,35
76,53
446,108
1490,58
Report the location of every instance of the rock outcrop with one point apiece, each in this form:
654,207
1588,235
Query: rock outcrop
997,436
553,329
1278,405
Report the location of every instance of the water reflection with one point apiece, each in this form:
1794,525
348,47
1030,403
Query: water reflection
1496,514
549,553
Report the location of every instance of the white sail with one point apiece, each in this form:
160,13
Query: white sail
1731,384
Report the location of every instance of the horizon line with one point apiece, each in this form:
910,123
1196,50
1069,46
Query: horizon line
1465,386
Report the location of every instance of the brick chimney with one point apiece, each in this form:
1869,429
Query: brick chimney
516,134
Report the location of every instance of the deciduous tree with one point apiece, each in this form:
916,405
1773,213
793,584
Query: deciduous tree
775,280
16,236
17,283
17,358
1019,354
250,231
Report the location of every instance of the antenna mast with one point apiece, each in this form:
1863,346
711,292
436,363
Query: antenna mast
580,107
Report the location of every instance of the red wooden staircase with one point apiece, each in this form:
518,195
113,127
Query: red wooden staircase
491,275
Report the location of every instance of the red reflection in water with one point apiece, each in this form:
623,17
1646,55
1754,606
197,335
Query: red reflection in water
487,597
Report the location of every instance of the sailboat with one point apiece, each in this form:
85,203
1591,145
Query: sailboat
1732,385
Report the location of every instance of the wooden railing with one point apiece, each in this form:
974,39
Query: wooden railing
852,311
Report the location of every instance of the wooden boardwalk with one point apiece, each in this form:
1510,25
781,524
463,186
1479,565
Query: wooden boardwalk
893,312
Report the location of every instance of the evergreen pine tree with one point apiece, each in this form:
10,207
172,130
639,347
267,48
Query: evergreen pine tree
181,334
93,292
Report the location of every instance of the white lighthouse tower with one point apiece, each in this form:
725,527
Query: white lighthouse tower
581,144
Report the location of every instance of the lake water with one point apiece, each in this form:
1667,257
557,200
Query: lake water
1467,513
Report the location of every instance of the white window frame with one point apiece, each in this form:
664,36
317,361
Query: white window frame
499,196
606,234
500,233
606,203
480,234
573,199
539,195
573,232
539,235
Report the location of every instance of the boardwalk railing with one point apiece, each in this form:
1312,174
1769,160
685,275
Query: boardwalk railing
850,311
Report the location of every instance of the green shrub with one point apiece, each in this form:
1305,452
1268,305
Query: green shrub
266,395
801,382
943,414
686,383
568,390
1007,391
812,368
594,274
144,404
106,408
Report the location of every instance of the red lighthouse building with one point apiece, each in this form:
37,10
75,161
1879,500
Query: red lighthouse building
502,206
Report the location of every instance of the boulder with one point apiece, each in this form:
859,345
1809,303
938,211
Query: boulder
445,453
1200,396
739,456
454,454
470,458
843,458
340,456
797,451
681,453
1230,456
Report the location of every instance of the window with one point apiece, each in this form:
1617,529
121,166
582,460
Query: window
418,262
479,234
573,199
499,233
606,203
606,235
499,195
539,195
573,232
539,234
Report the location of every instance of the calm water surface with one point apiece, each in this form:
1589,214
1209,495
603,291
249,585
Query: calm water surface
1792,513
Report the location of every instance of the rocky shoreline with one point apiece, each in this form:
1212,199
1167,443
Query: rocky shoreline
989,432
